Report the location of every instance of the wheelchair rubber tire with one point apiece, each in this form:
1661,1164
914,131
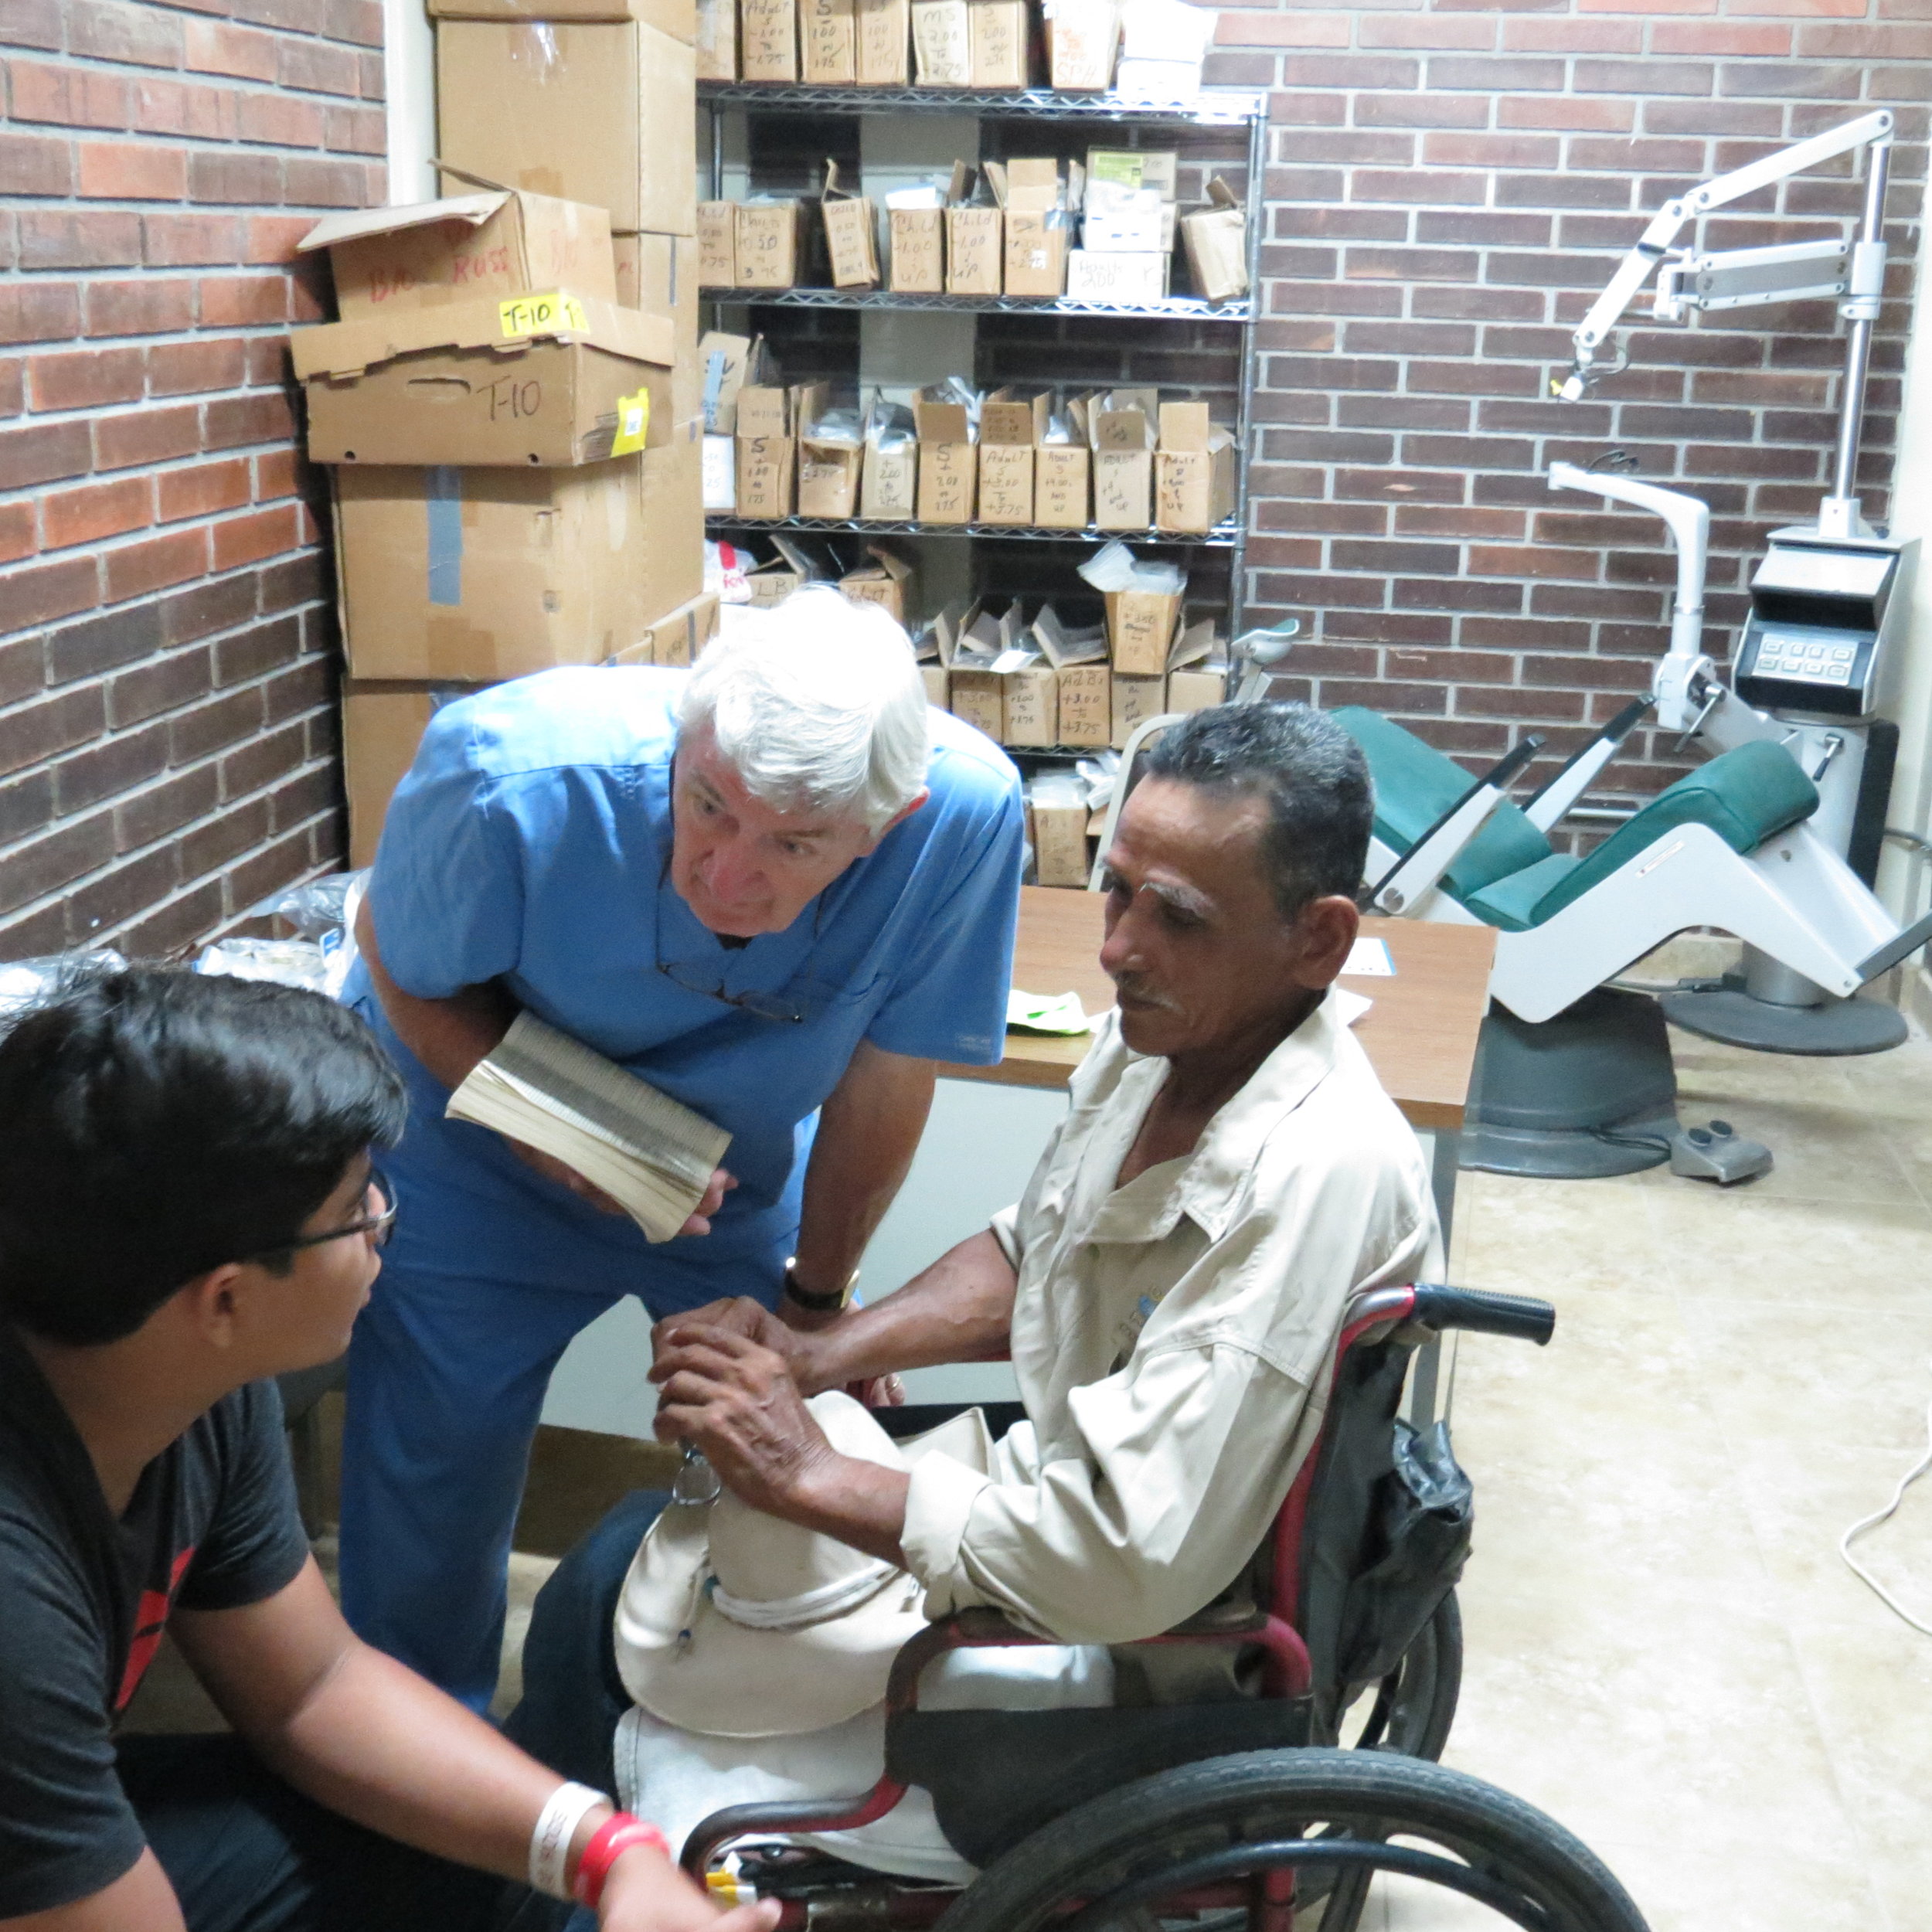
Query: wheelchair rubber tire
1166,1819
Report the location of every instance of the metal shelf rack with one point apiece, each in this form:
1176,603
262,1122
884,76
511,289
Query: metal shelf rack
1223,537
1227,108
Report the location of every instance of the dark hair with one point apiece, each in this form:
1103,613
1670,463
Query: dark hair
1321,803
156,1123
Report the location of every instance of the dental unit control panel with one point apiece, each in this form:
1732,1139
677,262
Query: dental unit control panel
1823,635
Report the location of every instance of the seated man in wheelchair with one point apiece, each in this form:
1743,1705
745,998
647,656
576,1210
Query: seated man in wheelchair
1170,1288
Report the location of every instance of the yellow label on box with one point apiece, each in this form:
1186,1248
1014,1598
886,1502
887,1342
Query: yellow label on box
634,423
541,314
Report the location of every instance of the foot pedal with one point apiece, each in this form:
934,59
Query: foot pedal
1718,1153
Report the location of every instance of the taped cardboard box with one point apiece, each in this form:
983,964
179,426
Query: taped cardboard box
948,461
658,274
383,727
470,575
889,580
678,639
677,18
1124,278
1135,700
544,380
768,40
1215,239
942,43
852,230
828,43
725,364
765,242
671,559
717,39
999,37
1194,470
1083,40
437,254
1039,227
1121,431
718,244
884,43
1009,427
604,113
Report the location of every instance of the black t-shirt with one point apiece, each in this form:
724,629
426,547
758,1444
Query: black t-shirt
84,1598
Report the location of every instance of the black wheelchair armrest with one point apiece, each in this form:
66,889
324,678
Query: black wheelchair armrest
1519,1316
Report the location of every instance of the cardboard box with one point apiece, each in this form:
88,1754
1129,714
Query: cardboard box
1215,239
933,677
828,478
1061,492
852,229
888,581
1194,470
888,489
1132,168
942,43
974,250
765,238
436,254
543,380
768,40
1131,222
1060,843
383,727
720,468
473,575
677,18
978,697
999,38
1009,428
1086,710
1135,700
948,463
1039,228
717,39
604,113
828,43
718,244
765,466
670,562
1197,690
1030,707
677,639
918,249
884,43
1126,279
1121,432
1141,627
658,274
1142,83
1083,40
723,363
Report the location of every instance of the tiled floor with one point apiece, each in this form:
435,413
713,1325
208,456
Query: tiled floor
1664,1649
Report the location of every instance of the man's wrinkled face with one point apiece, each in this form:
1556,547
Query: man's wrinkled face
741,866
1198,952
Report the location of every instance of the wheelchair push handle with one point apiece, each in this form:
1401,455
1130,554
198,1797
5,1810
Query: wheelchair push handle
1521,1317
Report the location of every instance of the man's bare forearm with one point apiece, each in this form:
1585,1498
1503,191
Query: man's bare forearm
868,1131
450,1036
960,1309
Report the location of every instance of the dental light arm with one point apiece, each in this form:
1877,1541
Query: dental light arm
1689,523
1750,275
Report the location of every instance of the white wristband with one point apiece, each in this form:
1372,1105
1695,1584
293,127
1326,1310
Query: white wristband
556,1824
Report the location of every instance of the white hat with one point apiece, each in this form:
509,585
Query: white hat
734,1624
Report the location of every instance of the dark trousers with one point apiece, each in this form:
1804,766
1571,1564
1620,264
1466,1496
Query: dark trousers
246,1852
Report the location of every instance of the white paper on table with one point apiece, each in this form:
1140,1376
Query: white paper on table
1369,959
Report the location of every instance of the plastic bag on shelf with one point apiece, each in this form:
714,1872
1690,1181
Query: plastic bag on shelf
26,982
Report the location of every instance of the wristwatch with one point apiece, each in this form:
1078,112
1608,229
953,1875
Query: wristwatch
831,1304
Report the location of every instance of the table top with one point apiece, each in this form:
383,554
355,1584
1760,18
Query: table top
1419,1036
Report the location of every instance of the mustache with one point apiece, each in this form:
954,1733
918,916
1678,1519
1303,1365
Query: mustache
1134,987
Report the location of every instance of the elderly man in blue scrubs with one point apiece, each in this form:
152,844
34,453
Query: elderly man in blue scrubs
777,886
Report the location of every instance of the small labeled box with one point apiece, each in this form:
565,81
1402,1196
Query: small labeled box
851,234
999,37
828,43
1194,470
942,43
884,43
717,42
1121,429
766,243
948,461
768,40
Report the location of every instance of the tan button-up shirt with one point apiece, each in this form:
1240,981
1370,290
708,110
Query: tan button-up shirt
1167,1335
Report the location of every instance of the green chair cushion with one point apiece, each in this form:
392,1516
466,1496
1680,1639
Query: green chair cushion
1415,785
1746,796
1512,904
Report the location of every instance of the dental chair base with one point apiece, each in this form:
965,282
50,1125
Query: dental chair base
1733,1012
1590,1093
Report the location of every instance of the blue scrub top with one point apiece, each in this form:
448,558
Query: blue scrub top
531,842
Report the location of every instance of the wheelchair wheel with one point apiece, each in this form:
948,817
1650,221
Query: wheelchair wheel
1212,1845
1411,1710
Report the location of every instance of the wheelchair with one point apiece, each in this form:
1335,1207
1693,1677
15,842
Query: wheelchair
1272,1812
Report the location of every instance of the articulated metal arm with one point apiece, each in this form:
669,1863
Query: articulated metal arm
1746,275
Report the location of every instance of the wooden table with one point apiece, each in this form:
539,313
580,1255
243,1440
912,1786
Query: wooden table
1421,1034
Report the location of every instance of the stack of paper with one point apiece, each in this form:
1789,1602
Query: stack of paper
651,1155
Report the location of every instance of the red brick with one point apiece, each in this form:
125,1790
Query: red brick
203,489
145,436
1810,9
63,856
208,362
186,107
1543,152
112,30
357,130
1258,29
42,454
132,171
13,384
214,46
1719,37
242,178
39,312
326,184
280,120
373,77
263,417
98,510
210,726
272,238
85,379
247,540
1469,32
1541,36
173,240
1599,116
233,301
35,165
32,23
80,238
72,96
28,597
134,568
314,66
147,307
268,364
18,536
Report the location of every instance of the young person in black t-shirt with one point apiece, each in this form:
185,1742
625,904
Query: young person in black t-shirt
187,1209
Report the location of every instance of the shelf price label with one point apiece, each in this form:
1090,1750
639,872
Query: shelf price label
545,314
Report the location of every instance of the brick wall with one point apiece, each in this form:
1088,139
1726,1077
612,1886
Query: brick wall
166,742
1451,185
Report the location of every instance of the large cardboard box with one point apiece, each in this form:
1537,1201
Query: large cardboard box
718,244
677,639
948,463
852,233
942,43
884,43
1082,39
671,563
604,113
383,727
768,40
1086,707
436,254
1000,40
677,18
766,243
717,39
543,380
1135,701
1215,239
658,274
1010,426
725,363
1131,168
1059,841
1198,688
1194,470
828,43
1121,430
470,575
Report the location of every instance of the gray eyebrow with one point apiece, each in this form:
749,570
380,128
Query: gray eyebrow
1185,897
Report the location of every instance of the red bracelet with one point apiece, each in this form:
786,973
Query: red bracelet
616,1835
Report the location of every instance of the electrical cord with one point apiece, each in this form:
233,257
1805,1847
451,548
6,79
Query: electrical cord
1872,1522
1650,1143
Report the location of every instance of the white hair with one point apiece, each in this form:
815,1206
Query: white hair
818,704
